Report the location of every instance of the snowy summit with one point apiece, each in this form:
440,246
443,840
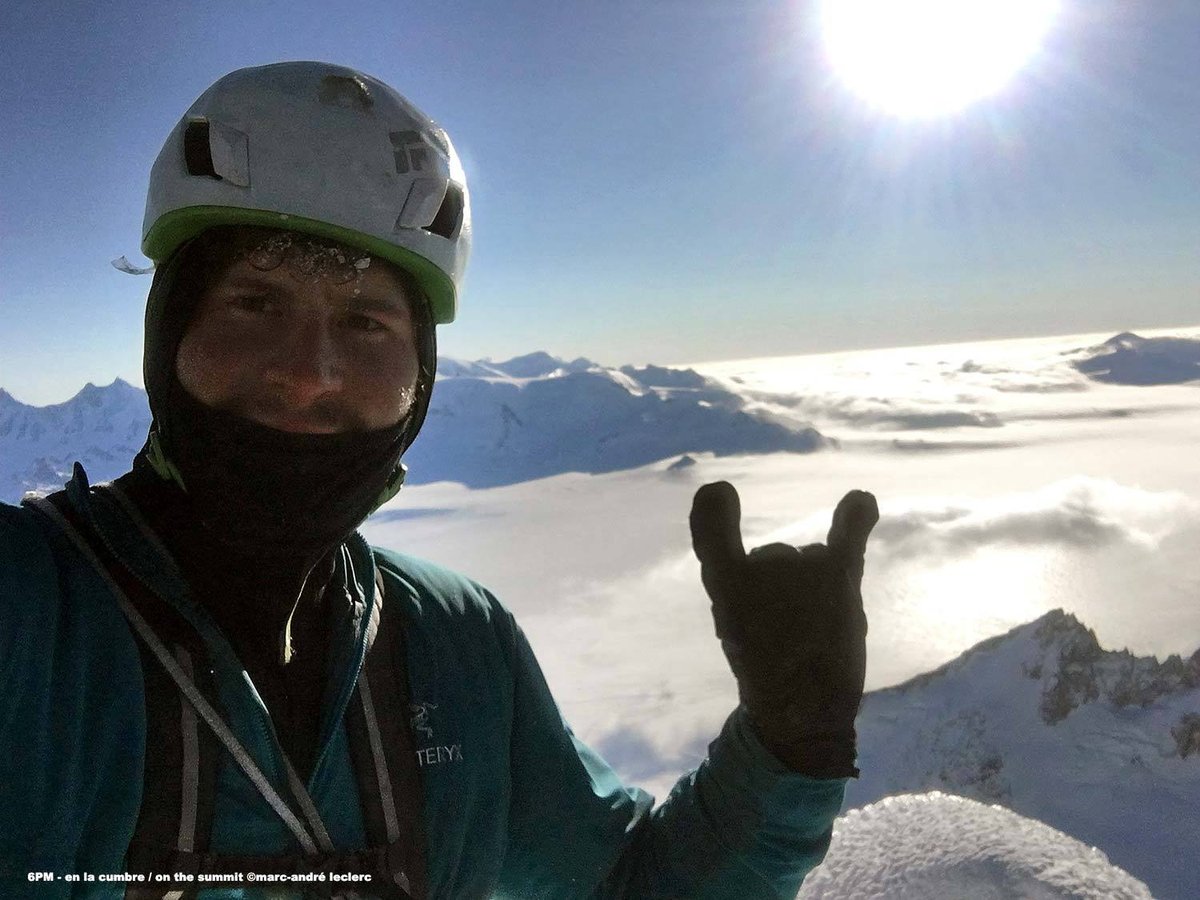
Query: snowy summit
938,847
1100,744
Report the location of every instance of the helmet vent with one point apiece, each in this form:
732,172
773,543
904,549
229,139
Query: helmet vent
197,151
346,91
449,215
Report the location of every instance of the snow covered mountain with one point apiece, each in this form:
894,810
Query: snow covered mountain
491,424
1102,745
1128,358
939,847
101,426
488,424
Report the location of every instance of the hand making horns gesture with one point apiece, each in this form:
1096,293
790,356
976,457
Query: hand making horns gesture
792,626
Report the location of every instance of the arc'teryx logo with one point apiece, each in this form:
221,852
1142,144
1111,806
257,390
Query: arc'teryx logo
410,151
429,756
420,719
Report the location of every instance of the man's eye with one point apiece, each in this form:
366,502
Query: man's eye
360,322
251,303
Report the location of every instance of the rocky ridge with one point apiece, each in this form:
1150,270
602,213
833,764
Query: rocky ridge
1076,670
1103,745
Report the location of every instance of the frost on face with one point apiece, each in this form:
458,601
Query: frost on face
308,259
407,400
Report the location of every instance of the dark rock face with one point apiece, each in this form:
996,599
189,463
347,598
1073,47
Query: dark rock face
1141,681
1075,682
968,761
1187,735
1086,673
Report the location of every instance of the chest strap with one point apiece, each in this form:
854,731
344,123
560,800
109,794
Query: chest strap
175,821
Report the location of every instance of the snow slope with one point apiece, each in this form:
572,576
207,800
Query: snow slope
939,847
1102,745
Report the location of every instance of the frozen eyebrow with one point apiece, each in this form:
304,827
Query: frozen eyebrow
246,282
397,306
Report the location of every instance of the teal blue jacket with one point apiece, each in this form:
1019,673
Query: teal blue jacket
515,805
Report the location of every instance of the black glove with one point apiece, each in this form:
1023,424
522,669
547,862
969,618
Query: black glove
792,626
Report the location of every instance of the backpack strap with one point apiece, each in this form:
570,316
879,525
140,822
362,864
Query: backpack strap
175,821
179,777
180,763
383,750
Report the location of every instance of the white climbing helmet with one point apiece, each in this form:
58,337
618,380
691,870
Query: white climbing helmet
319,149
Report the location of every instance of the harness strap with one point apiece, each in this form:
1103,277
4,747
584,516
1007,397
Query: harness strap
176,814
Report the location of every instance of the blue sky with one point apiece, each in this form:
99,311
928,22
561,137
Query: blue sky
652,182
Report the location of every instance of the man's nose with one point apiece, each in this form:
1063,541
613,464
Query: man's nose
310,363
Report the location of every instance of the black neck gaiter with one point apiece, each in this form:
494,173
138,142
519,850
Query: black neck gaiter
261,492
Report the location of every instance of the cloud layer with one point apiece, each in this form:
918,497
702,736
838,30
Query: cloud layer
1081,512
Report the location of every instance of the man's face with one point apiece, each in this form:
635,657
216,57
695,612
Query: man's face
302,352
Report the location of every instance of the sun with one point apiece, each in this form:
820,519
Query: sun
928,58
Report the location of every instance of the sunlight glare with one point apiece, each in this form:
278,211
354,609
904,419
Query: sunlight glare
986,593
925,58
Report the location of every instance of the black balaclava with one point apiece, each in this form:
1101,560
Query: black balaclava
277,498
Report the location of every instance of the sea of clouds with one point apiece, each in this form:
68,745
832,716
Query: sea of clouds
1009,482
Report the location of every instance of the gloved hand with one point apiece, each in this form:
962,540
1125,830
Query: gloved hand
792,626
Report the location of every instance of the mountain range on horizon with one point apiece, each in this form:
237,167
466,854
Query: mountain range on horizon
488,424
497,423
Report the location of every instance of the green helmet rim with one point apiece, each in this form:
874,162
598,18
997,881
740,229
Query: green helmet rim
175,228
